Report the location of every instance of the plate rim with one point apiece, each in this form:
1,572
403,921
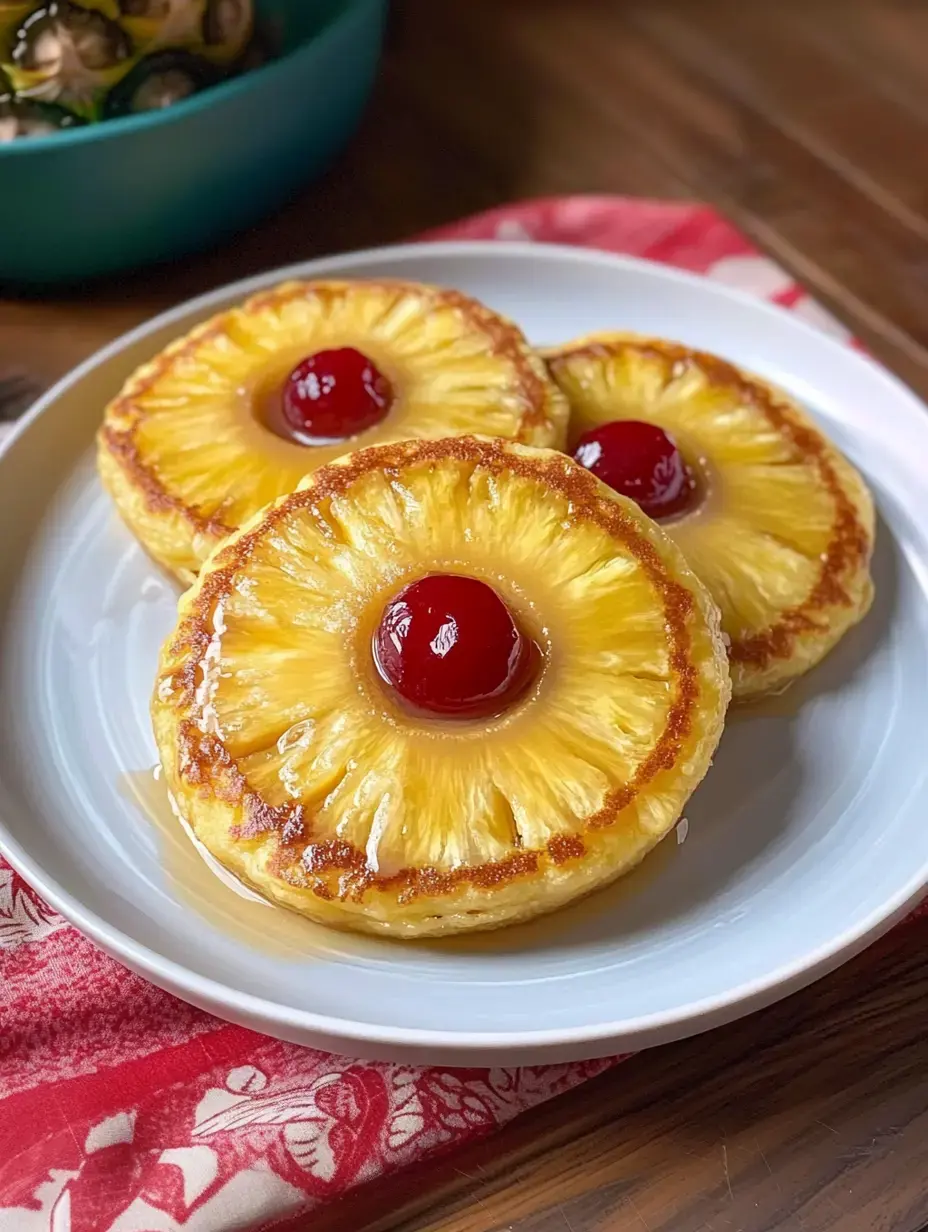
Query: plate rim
657,1027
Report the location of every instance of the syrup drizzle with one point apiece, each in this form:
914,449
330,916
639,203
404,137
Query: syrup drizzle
230,907
218,897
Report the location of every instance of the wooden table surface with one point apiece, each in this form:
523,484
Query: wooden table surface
807,122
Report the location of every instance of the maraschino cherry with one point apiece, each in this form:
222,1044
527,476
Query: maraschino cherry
335,394
449,645
641,461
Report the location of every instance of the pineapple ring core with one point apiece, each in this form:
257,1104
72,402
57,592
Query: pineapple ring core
185,449
782,531
301,774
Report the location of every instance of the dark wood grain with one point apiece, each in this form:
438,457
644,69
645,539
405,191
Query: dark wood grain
807,122
809,1117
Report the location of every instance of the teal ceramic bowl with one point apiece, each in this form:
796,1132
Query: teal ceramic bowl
147,188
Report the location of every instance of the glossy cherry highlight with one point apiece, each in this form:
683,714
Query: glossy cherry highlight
641,461
335,394
449,645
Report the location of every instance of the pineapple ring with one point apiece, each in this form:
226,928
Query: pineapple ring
783,534
297,769
187,457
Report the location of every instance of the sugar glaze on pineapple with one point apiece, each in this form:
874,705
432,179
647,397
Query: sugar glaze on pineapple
779,525
236,413
299,771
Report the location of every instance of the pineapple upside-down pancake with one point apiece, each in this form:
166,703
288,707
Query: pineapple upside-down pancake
769,515
445,685
233,415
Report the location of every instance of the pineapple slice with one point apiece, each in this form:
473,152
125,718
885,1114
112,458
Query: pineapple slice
192,446
782,532
301,771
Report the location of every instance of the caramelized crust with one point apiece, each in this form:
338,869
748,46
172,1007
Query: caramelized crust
845,559
119,430
334,869
156,509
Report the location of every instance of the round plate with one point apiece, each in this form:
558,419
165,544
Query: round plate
806,841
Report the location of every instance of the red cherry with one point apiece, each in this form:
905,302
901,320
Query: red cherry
641,461
449,645
335,394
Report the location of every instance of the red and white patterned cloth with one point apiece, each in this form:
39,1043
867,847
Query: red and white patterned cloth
125,1110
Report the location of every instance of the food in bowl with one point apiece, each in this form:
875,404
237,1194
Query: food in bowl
446,685
237,412
100,59
29,118
158,80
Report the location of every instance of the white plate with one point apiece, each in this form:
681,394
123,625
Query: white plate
806,841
